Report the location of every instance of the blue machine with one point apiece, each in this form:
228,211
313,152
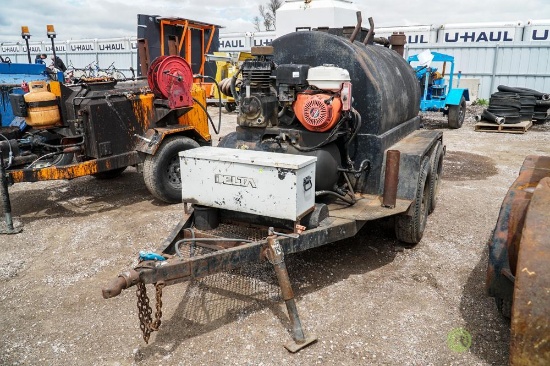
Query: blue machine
11,77
437,96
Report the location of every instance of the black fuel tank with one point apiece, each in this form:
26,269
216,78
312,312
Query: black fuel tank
384,87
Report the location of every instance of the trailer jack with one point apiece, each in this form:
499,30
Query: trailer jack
275,256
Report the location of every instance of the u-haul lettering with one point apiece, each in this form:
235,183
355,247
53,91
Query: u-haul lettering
262,41
82,47
58,48
232,44
10,48
111,47
478,36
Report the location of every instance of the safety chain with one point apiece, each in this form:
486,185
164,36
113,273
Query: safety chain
146,323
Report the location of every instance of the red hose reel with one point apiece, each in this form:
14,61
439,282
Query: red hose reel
171,77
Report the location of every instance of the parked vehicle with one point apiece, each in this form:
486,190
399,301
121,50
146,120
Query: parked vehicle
99,127
318,151
437,94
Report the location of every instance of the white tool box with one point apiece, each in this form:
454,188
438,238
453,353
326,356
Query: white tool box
256,182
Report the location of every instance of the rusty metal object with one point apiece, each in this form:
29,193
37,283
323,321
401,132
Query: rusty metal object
397,42
146,322
391,178
144,56
530,334
505,241
370,34
357,27
74,170
275,256
123,281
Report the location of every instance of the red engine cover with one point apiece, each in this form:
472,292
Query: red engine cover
171,77
317,112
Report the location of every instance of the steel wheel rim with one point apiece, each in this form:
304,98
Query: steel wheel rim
173,173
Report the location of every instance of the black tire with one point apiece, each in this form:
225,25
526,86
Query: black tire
109,174
230,107
457,114
409,229
161,171
436,172
504,307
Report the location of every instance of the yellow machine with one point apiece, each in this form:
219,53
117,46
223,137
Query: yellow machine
227,65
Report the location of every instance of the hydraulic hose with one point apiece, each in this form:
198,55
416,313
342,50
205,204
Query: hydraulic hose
216,131
219,103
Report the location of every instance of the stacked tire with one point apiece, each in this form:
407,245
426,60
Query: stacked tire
512,105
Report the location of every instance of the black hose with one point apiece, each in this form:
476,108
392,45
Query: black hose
216,131
324,142
331,193
524,91
486,115
62,146
219,101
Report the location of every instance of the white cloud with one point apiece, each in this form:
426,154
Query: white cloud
77,19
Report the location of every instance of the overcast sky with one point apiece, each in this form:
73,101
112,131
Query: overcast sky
78,19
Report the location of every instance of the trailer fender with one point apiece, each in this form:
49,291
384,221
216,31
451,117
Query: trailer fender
530,328
413,149
455,95
504,243
150,142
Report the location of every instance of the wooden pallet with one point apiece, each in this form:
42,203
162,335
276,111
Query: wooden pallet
521,127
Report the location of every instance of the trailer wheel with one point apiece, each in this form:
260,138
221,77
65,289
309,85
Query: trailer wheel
410,228
436,171
457,114
161,171
109,174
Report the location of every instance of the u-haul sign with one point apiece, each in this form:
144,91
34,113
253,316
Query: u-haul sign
537,30
481,33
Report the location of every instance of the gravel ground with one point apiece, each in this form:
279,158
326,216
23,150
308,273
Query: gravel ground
368,300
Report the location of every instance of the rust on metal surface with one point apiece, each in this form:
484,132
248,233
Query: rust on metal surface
367,207
357,27
530,334
74,170
197,117
275,255
155,136
391,178
398,41
505,241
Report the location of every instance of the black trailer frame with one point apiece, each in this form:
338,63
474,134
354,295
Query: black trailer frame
236,241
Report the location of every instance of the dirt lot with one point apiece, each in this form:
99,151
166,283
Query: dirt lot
368,300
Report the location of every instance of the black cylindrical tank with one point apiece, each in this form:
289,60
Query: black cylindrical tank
384,87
